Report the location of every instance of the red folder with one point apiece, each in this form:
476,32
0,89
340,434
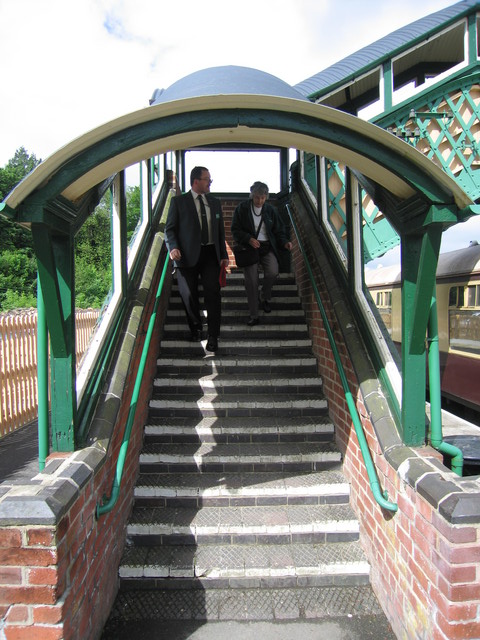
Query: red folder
223,276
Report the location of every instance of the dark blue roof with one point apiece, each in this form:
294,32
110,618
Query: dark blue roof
226,80
371,55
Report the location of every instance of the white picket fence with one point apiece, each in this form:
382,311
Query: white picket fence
18,363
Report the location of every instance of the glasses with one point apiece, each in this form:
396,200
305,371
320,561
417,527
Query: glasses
209,180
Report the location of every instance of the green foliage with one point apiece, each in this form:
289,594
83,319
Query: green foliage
93,276
15,170
18,268
18,279
12,236
133,210
93,271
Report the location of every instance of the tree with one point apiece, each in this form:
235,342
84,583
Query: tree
12,236
93,247
18,278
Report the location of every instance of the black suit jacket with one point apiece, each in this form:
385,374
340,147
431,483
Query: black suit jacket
183,231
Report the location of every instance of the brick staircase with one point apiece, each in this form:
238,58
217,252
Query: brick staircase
241,508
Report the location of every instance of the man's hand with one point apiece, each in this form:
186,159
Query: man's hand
175,254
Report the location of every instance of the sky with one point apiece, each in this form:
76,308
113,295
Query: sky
68,66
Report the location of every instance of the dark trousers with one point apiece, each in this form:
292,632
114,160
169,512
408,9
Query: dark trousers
208,270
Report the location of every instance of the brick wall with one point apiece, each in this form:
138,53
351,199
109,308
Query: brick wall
58,562
425,558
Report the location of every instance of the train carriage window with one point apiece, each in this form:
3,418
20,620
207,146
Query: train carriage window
464,319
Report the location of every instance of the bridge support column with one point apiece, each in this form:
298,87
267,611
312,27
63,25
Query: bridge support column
419,265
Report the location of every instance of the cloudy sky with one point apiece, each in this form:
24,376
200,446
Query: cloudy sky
68,66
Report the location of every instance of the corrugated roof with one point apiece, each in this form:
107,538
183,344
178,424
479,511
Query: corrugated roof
371,55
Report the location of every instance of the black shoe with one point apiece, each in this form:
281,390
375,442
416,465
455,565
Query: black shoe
252,322
196,335
212,343
266,306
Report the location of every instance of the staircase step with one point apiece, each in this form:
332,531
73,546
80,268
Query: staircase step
231,316
235,430
236,331
287,364
331,606
278,524
241,383
242,489
299,456
234,405
269,561
260,346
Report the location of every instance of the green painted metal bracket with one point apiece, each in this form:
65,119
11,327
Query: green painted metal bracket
419,263
47,272
427,267
7,211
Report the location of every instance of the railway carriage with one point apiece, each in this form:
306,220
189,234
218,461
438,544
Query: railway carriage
458,309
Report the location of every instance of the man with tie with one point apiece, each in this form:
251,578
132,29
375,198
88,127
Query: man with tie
195,238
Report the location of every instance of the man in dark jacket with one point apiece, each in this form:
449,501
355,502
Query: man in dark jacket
258,224
195,237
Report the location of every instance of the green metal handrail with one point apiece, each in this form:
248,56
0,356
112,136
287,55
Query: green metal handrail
362,441
107,504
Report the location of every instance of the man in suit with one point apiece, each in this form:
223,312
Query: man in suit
195,237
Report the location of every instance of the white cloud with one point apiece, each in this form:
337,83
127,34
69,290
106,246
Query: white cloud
74,65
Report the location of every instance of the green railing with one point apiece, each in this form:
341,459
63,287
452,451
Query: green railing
380,497
108,503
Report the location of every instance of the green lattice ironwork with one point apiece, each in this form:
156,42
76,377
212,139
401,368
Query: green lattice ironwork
446,128
379,235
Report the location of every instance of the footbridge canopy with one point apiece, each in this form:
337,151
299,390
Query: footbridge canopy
234,105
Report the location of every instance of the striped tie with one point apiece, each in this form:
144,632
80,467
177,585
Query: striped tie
203,212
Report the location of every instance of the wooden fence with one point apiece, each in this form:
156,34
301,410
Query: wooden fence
18,363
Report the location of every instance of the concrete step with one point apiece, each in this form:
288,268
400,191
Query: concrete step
272,563
194,458
288,364
332,611
232,316
237,289
237,405
250,346
221,384
238,430
278,303
264,525
241,489
262,331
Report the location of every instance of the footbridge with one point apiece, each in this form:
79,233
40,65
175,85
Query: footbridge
303,449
